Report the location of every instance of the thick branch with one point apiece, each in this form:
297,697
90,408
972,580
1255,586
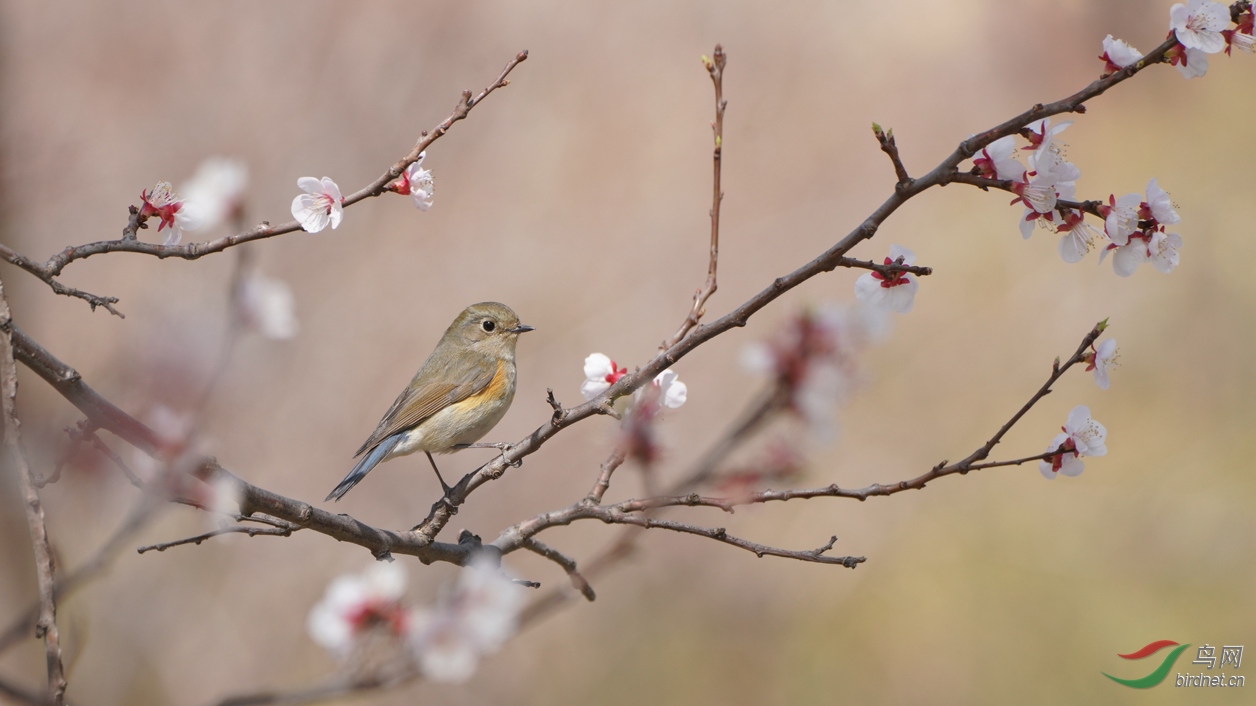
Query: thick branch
344,528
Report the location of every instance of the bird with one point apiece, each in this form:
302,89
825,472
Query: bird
460,393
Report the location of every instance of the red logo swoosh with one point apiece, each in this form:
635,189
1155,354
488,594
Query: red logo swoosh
1149,649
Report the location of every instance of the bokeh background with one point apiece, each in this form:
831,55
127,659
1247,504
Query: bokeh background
579,196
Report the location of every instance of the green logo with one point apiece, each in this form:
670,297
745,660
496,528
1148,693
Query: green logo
1159,673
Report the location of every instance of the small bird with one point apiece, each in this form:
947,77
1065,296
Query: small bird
461,392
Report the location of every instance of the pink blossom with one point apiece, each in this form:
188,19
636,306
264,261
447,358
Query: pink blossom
171,210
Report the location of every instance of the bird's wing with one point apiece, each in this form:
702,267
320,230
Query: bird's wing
424,397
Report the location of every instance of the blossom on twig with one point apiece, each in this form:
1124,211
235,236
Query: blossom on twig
320,205
1100,360
1191,63
1136,229
1078,236
600,372
1082,436
1117,55
1041,135
895,292
997,160
416,182
171,210
1198,25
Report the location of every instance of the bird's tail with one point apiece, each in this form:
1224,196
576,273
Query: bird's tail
364,466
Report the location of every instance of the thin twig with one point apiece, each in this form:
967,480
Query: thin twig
46,626
603,482
714,67
232,529
890,148
893,268
578,582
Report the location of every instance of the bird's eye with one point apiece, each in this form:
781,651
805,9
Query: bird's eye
488,325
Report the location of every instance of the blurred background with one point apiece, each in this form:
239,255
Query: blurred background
579,196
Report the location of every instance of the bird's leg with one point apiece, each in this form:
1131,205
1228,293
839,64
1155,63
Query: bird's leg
444,486
500,446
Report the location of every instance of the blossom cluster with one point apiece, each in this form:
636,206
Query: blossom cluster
445,641
813,360
637,437
1134,230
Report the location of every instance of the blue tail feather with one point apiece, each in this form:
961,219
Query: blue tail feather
369,461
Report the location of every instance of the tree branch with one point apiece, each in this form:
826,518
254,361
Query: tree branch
106,415
46,626
53,267
568,564
232,529
714,67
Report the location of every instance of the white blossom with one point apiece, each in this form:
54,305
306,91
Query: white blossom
895,292
1126,258
671,392
1066,463
1122,219
268,306
476,619
1160,205
600,373
1088,436
1162,251
357,604
1193,63
319,206
1082,436
1119,54
217,189
419,183
1198,24
1077,241
1043,141
998,159
1102,360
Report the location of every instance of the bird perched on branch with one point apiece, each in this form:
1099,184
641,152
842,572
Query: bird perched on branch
462,391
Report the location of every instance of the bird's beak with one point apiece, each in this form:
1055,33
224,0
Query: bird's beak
521,328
